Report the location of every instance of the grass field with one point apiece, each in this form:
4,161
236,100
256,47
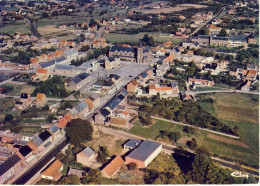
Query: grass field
230,148
122,38
18,27
239,110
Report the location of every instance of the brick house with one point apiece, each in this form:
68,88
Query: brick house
112,63
81,110
36,144
54,131
132,86
144,153
113,167
78,81
41,74
93,101
86,157
251,75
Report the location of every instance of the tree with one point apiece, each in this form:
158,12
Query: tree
199,168
203,150
132,166
223,32
8,117
92,177
192,144
45,15
50,118
79,131
70,180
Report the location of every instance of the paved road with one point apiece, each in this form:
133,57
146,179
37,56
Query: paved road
41,163
33,28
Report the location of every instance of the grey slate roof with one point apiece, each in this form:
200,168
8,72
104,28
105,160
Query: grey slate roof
88,151
143,151
60,59
37,141
80,77
113,104
123,49
132,143
144,75
48,64
54,128
81,106
238,38
8,164
109,83
63,67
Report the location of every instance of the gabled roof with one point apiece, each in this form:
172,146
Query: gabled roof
115,76
113,103
45,135
8,164
124,92
143,151
113,166
109,83
88,151
134,83
144,75
37,141
48,64
42,71
70,51
25,150
60,59
83,105
80,77
53,170
104,112
132,143
123,49
62,123
53,129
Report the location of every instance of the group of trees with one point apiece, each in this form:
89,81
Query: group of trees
53,87
204,170
79,131
186,112
148,41
167,135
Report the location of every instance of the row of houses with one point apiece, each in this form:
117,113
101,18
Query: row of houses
141,153
229,41
17,150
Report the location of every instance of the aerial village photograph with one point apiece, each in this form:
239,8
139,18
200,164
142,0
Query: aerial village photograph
119,92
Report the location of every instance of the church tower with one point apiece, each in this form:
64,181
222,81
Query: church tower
140,52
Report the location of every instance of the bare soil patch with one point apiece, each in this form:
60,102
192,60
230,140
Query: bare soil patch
227,140
184,140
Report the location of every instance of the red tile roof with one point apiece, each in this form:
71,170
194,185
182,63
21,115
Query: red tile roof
113,166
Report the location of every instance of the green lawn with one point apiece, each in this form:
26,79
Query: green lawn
239,110
217,147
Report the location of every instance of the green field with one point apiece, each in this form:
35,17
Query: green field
239,110
17,27
216,147
127,38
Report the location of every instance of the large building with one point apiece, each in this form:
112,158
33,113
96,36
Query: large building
138,55
144,154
